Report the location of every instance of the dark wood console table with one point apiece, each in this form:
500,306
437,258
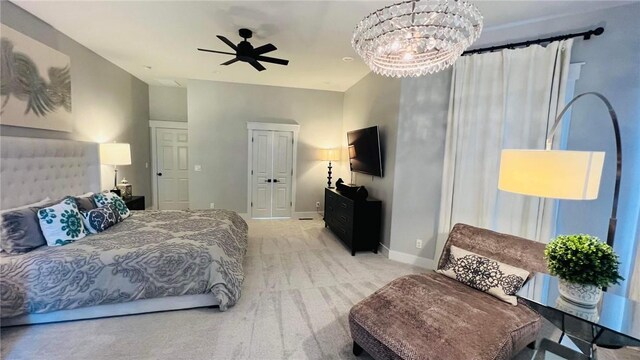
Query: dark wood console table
355,222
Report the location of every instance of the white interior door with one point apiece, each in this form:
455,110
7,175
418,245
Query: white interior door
282,165
262,170
272,163
172,154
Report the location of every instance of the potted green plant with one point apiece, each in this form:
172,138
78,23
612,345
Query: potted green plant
584,265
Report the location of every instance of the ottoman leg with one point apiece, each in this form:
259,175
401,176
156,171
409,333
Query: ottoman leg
357,350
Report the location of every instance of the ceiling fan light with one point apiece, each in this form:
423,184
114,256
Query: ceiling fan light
436,31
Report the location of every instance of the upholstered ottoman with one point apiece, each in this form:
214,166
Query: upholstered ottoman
431,316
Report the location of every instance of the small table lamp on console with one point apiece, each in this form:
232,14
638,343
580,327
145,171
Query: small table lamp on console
559,174
115,154
329,155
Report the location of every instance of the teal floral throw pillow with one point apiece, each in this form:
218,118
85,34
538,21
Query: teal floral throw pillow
61,223
109,198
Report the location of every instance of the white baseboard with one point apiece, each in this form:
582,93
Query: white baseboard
306,214
384,250
408,258
295,216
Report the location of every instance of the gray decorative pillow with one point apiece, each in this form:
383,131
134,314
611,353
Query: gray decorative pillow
21,231
100,219
85,202
61,223
491,276
106,198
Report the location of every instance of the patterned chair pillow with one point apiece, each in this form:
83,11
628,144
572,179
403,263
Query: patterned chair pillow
485,274
100,219
106,198
61,223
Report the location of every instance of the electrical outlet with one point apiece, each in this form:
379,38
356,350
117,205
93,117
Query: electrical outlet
212,205
197,168
317,204
419,244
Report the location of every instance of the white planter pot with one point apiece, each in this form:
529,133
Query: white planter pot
588,313
584,295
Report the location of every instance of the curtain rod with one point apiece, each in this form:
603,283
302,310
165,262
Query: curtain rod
586,34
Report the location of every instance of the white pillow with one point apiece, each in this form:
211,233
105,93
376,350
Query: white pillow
61,223
485,274
106,198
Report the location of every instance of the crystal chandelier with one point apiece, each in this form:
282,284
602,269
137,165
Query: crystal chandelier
416,37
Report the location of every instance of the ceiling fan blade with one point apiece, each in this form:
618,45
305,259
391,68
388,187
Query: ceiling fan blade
217,52
273,60
228,42
257,65
230,61
264,49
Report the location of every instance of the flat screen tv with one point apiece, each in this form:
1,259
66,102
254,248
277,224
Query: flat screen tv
364,151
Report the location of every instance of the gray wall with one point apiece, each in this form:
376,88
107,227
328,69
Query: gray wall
109,104
422,126
375,100
612,69
168,103
218,114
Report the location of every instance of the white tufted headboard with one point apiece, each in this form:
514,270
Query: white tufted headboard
32,169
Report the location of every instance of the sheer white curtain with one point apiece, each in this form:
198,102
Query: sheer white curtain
500,100
635,280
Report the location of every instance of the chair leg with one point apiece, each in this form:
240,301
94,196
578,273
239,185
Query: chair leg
357,349
532,345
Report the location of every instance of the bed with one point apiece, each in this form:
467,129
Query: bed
152,261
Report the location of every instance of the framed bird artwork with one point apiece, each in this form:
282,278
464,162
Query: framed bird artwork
35,84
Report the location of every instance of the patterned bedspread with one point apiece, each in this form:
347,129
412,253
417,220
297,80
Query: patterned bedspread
149,255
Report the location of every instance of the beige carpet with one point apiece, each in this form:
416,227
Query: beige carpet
300,284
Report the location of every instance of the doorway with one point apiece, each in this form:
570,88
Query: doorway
171,168
271,170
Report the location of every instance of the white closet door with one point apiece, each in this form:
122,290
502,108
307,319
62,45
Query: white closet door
282,166
262,189
172,151
271,179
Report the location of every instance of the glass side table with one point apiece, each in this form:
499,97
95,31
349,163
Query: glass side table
613,323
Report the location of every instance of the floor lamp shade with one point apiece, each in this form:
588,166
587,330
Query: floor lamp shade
330,154
115,154
571,175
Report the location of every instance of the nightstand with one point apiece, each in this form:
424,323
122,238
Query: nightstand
135,203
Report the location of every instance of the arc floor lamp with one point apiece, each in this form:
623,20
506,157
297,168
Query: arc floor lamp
562,174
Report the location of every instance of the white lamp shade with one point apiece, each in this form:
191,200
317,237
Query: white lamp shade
115,154
330,154
572,175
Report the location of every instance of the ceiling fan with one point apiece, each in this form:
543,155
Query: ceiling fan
244,51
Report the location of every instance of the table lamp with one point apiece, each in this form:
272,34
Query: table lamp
115,154
329,155
559,174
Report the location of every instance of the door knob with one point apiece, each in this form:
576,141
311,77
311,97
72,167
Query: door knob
275,180
159,174
268,180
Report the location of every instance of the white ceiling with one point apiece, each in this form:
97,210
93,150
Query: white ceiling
313,35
